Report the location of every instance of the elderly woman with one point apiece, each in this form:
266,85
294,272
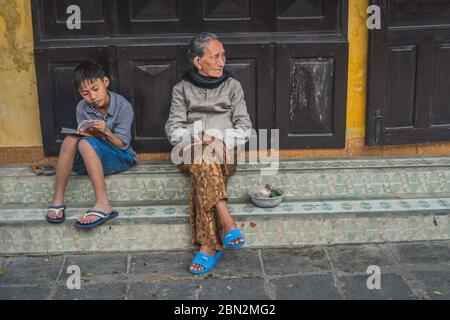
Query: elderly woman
209,97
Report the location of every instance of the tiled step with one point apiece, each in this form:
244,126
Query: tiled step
141,226
328,201
302,179
135,211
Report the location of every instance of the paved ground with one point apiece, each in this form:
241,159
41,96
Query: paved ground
419,270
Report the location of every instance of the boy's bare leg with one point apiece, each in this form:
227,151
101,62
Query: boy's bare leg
63,169
95,171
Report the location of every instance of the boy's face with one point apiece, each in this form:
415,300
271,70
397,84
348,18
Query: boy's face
95,92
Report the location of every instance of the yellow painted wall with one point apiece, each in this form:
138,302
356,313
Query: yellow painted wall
357,66
19,111
19,102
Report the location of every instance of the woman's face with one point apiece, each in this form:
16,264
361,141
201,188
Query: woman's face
213,61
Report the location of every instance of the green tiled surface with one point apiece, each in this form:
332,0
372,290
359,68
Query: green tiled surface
148,228
15,213
328,201
300,179
145,235
285,164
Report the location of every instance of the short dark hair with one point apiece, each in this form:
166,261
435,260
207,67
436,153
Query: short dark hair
196,47
87,71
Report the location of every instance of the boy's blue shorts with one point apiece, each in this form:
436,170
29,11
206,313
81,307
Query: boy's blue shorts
114,160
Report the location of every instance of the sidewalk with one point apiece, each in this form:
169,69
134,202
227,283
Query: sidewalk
418,270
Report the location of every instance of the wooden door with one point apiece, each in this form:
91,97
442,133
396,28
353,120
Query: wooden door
272,47
408,97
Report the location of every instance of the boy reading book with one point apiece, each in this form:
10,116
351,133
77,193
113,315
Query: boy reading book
84,130
95,155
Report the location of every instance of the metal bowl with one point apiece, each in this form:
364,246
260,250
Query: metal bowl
265,202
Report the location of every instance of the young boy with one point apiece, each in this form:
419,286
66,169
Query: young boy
112,115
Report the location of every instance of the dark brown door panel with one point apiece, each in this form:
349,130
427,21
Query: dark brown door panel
96,19
311,95
146,77
308,15
408,74
155,16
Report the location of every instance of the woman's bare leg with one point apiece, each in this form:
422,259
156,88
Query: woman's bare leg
226,220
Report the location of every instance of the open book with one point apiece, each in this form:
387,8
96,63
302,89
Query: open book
83,130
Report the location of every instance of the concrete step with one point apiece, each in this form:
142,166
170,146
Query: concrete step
328,202
142,227
303,179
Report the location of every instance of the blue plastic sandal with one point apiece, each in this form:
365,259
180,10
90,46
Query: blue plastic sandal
231,236
207,262
102,215
56,209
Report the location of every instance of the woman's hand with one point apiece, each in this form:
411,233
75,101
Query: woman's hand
207,140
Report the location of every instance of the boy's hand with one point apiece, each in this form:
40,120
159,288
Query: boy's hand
83,122
100,125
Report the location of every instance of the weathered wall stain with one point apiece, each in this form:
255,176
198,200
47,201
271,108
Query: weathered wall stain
18,90
311,82
21,57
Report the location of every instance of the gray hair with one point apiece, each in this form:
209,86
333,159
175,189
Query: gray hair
196,47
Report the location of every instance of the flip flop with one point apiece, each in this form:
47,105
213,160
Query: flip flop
56,209
102,215
231,236
207,262
43,169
